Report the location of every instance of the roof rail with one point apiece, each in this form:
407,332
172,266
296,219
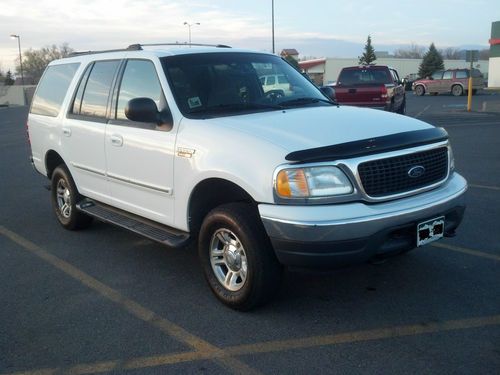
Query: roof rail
139,46
132,47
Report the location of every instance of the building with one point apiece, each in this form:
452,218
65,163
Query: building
494,66
326,70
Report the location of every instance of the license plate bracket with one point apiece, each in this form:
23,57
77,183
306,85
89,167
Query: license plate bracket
430,231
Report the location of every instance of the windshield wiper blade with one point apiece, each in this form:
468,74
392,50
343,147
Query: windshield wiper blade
305,100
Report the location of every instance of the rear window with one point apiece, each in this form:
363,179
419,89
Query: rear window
351,77
52,89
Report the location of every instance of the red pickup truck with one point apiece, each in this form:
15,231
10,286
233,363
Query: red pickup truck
374,86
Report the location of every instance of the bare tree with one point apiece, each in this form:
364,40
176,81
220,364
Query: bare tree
451,53
484,54
35,61
414,51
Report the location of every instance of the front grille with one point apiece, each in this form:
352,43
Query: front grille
390,176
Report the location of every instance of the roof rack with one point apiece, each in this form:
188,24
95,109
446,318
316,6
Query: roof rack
138,47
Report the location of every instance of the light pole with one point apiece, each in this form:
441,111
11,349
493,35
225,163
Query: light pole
272,20
189,27
13,36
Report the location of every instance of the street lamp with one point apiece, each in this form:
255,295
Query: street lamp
13,36
189,27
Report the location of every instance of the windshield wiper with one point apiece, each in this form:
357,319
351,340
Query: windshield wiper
235,107
304,100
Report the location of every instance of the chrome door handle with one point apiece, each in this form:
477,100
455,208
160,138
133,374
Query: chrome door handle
66,132
116,140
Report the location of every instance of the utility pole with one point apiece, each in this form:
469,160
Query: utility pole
272,20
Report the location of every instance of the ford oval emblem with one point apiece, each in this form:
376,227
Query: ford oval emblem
416,171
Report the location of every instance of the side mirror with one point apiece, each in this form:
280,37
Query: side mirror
329,92
145,110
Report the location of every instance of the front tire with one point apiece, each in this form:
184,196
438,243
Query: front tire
419,90
457,90
237,257
64,198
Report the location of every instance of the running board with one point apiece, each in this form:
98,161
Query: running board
147,228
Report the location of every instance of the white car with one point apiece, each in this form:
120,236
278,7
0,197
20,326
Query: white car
276,82
180,144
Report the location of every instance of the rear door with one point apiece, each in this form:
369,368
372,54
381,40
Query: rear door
140,156
85,126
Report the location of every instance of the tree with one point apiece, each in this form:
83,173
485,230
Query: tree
35,61
484,54
432,62
414,51
368,57
9,81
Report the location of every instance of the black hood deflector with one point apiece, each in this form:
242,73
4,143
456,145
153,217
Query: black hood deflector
370,146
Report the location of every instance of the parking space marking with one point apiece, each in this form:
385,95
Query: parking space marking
277,346
497,188
129,305
463,250
422,111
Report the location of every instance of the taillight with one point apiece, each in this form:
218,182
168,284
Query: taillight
383,94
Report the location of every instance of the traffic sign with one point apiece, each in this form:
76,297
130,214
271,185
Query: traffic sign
472,55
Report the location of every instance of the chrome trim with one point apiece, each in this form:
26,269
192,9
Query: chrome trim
141,184
350,168
88,169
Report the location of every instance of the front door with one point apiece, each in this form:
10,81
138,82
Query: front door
140,156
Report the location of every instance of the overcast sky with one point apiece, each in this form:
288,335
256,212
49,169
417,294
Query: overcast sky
315,28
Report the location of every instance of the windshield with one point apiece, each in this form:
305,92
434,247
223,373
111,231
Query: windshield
222,84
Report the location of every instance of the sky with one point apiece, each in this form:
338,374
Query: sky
316,28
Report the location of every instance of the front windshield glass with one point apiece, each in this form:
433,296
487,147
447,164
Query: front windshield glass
222,84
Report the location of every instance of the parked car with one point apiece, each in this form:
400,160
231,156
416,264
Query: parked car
373,86
277,83
184,144
455,81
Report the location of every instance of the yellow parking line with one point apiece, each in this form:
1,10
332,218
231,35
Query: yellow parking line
463,250
497,188
129,305
278,346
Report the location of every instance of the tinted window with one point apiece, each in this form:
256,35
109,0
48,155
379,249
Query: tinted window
95,97
52,89
139,81
351,77
271,80
282,79
448,74
461,74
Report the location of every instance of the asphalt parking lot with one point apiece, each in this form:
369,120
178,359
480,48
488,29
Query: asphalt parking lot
104,300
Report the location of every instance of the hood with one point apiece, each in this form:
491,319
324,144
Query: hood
312,127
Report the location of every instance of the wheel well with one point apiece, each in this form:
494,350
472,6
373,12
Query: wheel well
210,194
52,161
420,85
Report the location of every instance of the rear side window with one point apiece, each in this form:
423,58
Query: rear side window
271,80
461,74
52,89
96,89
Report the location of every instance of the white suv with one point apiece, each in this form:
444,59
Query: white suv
181,144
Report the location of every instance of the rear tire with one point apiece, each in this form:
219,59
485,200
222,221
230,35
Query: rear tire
64,198
457,90
237,257
419,90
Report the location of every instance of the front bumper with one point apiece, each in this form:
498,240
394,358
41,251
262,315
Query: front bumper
341,234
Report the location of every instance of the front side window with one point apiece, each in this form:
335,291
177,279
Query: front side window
97,87
232,83
448,74
139,81
437,75
52,89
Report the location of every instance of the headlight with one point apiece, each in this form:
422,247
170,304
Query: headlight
312,182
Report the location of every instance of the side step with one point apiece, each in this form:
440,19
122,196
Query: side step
147,228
